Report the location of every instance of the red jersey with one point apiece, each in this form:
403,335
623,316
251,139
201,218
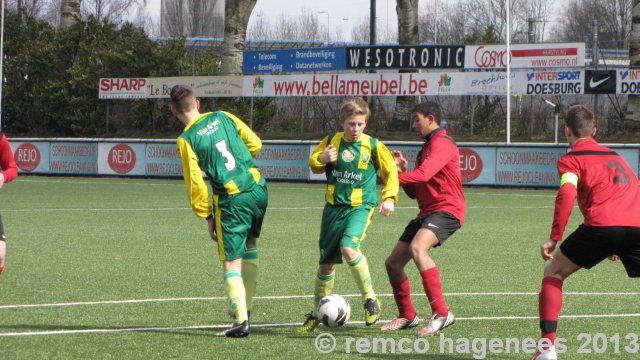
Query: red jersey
607,189
8,164
435,181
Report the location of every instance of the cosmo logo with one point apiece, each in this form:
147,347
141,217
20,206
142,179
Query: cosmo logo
347,156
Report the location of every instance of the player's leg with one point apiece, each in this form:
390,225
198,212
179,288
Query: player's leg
232,229
435,229
3,246
584,248
258,200
399,281
329,257
357,222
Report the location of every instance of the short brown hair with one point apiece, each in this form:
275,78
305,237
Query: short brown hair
581,121
429,108
183,98
354,106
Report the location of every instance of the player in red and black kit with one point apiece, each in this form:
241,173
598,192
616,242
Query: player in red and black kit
609,198
8,173
435,183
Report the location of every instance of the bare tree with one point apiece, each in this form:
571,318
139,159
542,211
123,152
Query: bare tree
69,12
192,18
614,22
236,15
115,11
442,22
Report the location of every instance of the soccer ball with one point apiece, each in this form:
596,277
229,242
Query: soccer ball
333,310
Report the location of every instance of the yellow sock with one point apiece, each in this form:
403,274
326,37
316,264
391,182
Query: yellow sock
236,294
360,271
250,264
323,287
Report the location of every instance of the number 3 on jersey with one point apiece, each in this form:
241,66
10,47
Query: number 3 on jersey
230,164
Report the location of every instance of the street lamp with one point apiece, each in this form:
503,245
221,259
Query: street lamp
325,12
556,110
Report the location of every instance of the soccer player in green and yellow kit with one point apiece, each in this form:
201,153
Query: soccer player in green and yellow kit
350,160
222,146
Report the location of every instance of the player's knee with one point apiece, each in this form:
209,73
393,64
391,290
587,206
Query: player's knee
392,265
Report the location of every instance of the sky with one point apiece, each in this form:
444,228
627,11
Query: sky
354,11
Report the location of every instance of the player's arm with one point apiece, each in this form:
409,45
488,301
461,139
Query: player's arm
563,206
388,172
442,150
7,162
315,163
253,142
197,190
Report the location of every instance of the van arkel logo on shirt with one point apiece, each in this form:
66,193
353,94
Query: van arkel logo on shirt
347,156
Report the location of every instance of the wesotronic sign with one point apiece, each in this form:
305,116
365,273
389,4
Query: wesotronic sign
405,57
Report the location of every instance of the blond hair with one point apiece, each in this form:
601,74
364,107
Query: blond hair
354,106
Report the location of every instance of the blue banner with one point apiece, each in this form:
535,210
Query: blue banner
298,60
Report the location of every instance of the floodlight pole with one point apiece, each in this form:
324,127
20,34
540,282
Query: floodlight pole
556,111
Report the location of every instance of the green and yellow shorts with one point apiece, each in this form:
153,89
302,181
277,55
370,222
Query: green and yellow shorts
238,217
342,226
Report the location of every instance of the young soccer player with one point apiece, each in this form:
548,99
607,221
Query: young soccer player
350,160
436,184
222,146
8,173
608,195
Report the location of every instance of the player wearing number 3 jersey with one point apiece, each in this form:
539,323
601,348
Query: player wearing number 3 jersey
223,147
608,195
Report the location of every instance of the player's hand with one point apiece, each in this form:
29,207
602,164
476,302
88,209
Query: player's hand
401,162
1,180
329,155
614,257
212,229
547,248
387,207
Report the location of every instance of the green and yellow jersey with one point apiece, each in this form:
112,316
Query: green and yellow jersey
222,146
352,179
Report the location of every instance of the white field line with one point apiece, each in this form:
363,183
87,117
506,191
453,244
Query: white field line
208,327
288,297
269,208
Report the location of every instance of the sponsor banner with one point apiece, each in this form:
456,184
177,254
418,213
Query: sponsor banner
155,88
522,166
628,81
600,82
525,56
478,165
162,159
565,82
284,161
80,158
488,83
380,84
284,61
31,157
406,57
121,159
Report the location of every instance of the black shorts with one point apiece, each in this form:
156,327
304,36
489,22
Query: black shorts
589,245
440,223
